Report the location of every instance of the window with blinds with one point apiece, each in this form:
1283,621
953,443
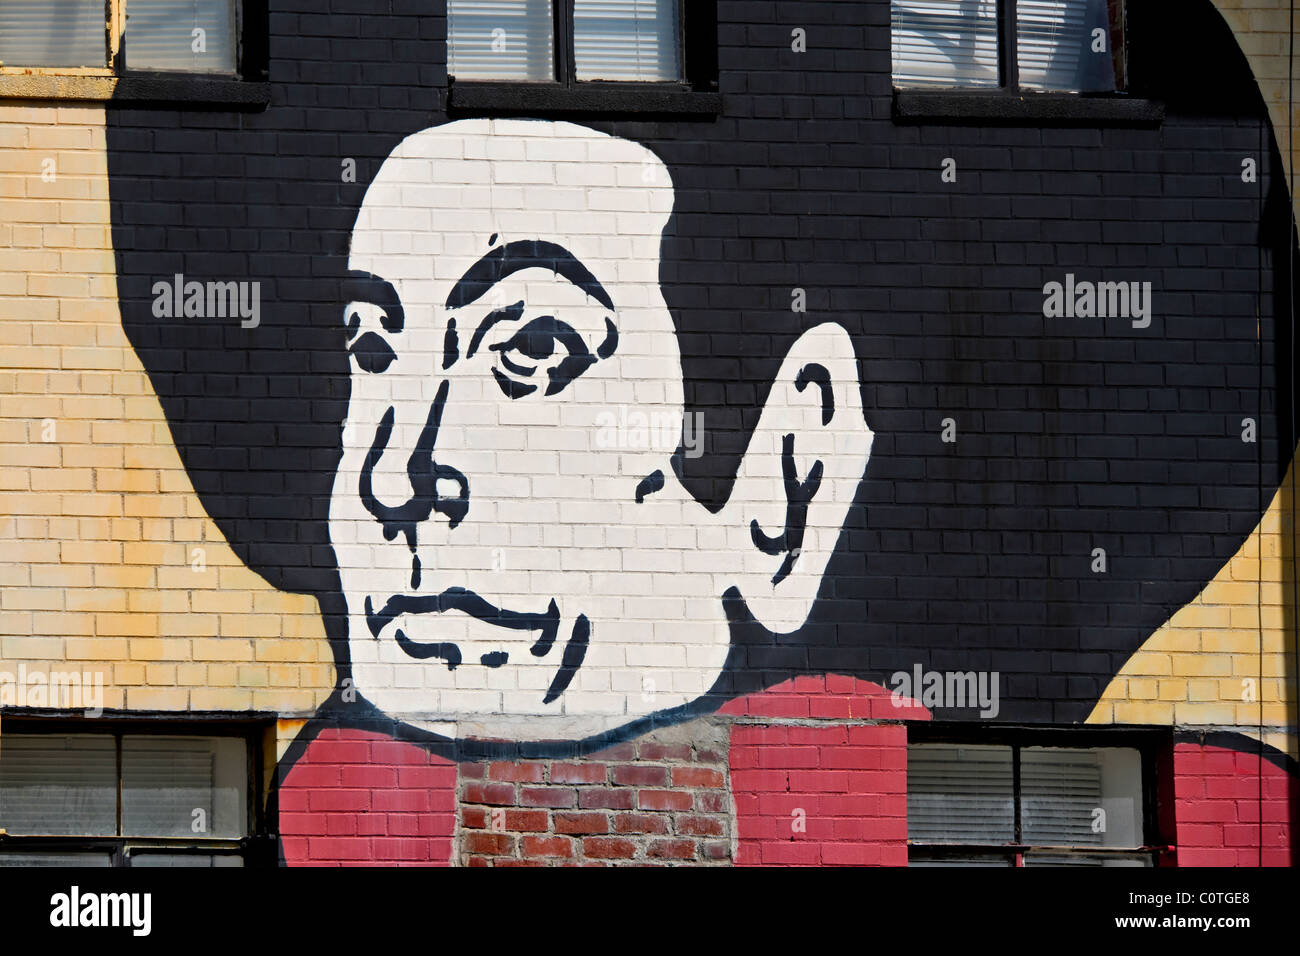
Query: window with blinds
624,41
1072,46
1016,805
112,799
38,33
174,36
194,36
501,40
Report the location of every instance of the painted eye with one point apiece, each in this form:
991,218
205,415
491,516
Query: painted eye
545,344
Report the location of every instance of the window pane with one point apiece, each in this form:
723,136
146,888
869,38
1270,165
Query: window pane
41,33
959,794
945,43
1056,48
501,40
161,859
184,786
634,40
96,858
58,784
160,35
1081,797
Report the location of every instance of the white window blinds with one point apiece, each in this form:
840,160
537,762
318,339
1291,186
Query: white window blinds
501,40
945,43
195,36
58,784
628,40
69,33
1056,48
184,786
960,794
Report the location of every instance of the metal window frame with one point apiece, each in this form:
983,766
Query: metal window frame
256,847
1150,742
1009,103
695,92
245,88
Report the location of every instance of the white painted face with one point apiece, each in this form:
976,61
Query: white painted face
517,555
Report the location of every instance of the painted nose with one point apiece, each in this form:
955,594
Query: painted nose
435,487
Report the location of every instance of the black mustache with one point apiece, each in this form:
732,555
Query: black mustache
465,600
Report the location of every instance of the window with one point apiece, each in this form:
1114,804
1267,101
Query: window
1031,59
1040,802
1036,45
132,49
125,798
638,55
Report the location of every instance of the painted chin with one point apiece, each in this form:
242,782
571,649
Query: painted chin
458,628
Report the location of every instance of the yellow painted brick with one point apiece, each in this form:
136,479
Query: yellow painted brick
62,575
157,698
1143,712
30,648
90,552
97,649
222,649
32,599
96,599
219,602
158,602
1202,665
128,674
1170,690
64,623
221,698
127,625
124,576
317,675
222,675
161,674
250,625
192,675
188,625
1204,714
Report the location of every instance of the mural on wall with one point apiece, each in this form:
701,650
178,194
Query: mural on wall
573,430
507,493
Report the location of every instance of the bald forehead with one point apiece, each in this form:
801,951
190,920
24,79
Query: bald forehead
446,191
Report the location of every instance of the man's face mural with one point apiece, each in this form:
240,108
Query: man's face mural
517,554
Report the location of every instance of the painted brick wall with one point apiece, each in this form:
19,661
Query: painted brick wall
99,524
1232,808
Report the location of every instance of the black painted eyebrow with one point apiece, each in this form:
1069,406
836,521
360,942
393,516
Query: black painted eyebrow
519,255
361,286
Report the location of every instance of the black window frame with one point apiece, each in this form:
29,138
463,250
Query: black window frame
695,94
247,88
1154,746
258,848
1010,103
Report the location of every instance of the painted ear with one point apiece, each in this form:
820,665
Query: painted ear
799,477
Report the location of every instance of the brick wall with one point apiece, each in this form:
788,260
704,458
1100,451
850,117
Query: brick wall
100,522
1232,808
660,799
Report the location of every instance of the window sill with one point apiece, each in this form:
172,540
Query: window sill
997,107
139,89
487,98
